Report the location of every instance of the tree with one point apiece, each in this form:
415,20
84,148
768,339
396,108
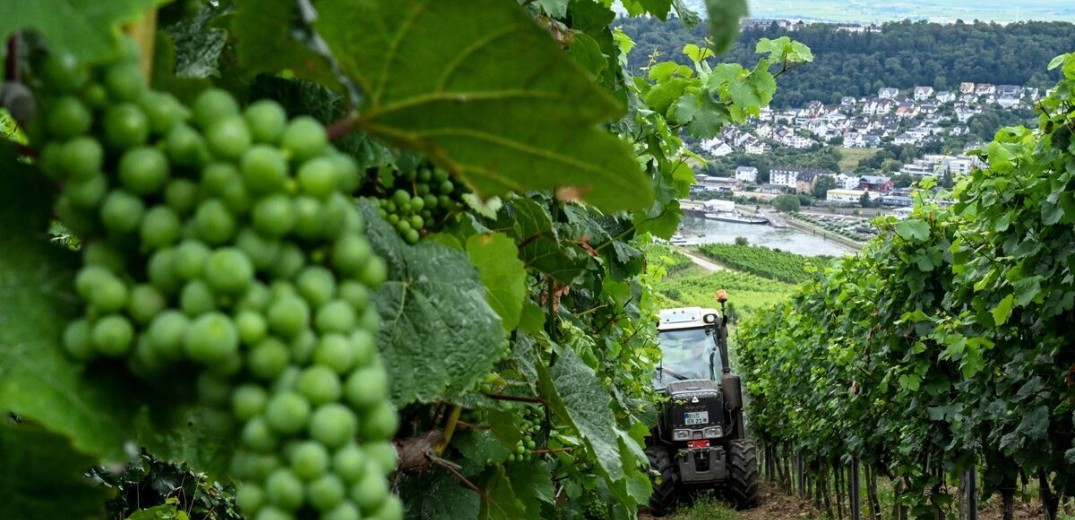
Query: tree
787,203
865,200
822,186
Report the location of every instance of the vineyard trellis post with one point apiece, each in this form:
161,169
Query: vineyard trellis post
853,495
970,492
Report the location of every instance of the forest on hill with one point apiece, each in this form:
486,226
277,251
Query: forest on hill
902,55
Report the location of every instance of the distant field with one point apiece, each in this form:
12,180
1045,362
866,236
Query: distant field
935,10
853,156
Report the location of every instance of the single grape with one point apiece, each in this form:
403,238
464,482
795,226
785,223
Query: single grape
274,216
113,336
318,385
122,212
211,338
162,110
67,118
363,345
160,228
383,454
252,327
185,146
196,299
335,316
145,303
250,497
309,460
125,126
336,352
109,294
124,81
166,332
326,493
228,271
333,425
317,284
287,413
367,387
213,222
380,422
181,195
87,194
309,217
190,259
78,340
63,73
304,138
266,120
355,294
82,158
369,492
350,254
285,489
264,169
302,346
212,105
268,359
317,177
228,138
288,316
161,271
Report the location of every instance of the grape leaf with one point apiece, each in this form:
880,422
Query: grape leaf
262,50
499,502
476,85
43,477
434,317
496,258
913,230
88,29
437,495
37,380
724,16
554,8
576,396
198,45
533,487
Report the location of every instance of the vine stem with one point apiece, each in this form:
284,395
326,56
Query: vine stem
552,450
449,429
515,398
144,32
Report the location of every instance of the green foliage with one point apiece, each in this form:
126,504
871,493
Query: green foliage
786,203
539,295
47,467
949,333
767,263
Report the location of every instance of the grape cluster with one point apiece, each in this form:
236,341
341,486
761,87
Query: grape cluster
220,242
533,420
415,201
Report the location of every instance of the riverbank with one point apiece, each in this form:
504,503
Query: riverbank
824,234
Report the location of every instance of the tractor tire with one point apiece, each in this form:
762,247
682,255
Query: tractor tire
742,485
665,481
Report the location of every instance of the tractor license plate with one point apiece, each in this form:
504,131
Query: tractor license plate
692,418
697,444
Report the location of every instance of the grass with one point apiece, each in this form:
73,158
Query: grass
705,508
851,157
694,286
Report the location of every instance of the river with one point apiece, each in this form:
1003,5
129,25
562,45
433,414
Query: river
699,230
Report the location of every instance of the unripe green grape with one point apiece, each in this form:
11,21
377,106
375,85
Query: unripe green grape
445,202
261,251
266,120
326,493
424,175
190,258
273,513
274,216
317,177
67,118
304,137
317,284
122,212
181,195
417,204
143,170
288,316
228,271
78,340
333,425
215,178
248,401
258,436
380,422
162,110
391,509
256,298
350,254
213,223
287,413
99,253
383,454
355,294
369,492
160,228
252,327
401,198
289,263
403,226
165,333
309,217
285,489
349,462
228,138
337,217
108,295
113,336
185,146
51,161
309,460
87,194
264,169
211,338
347,176
336,352
302,346
145,303
429,201
250,497
422,190
411,236
196,299
363,345
161,271
374,273
212,105
367,387
81,158
125,126
63,73
95,96
319,385
268,359
124,81
258,466
335,316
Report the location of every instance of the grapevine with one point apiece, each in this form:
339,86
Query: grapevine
219,242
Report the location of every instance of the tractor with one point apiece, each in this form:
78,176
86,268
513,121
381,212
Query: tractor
700,439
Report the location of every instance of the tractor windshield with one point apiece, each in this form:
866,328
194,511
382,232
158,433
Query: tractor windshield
686,354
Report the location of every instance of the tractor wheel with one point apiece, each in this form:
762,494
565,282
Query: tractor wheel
742,486
664,478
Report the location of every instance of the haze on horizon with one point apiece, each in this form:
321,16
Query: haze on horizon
944,11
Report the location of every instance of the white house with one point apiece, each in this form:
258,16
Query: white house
922,93
746,174
846,181
946,96
888,93
848,196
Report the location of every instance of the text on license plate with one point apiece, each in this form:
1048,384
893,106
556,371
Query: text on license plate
690,418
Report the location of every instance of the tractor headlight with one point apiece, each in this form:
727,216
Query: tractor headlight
681,435
712,432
